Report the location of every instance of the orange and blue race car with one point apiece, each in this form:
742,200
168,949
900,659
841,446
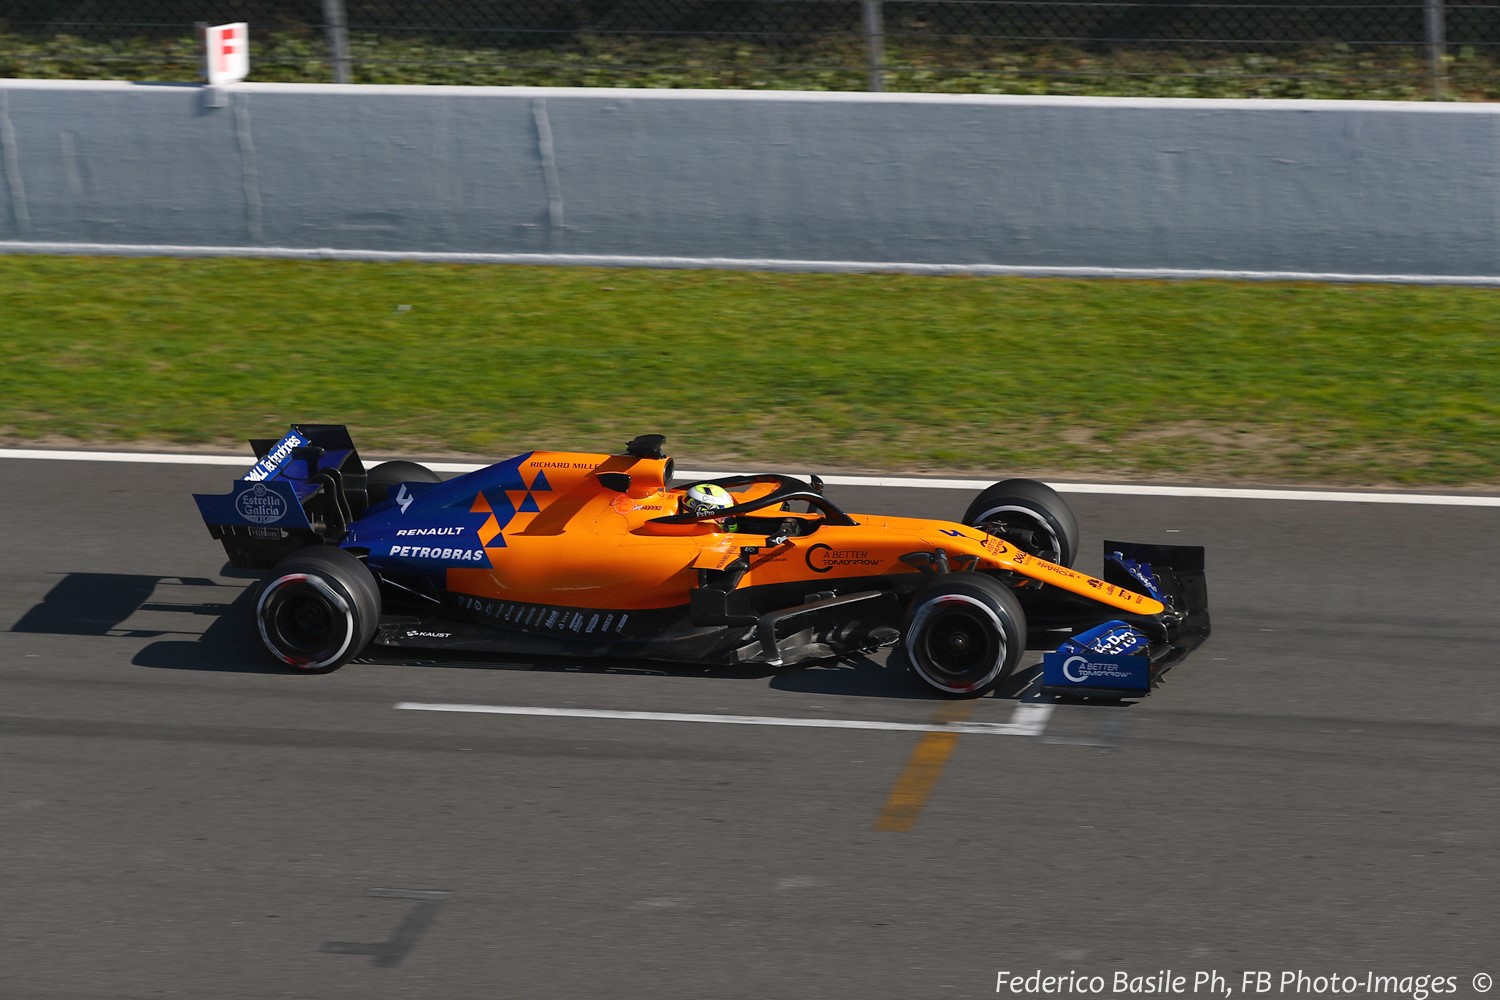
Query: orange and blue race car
600,555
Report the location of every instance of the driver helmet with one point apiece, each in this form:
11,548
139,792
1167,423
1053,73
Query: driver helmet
705,498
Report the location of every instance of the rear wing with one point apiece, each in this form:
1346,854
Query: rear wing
304,489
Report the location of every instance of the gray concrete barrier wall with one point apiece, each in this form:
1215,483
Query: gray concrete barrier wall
1076,185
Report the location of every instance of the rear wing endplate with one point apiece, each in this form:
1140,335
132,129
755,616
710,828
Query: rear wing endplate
304,488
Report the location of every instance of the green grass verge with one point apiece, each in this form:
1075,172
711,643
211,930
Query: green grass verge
1251,382
947,65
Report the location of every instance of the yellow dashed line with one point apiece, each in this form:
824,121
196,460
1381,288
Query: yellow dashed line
903,807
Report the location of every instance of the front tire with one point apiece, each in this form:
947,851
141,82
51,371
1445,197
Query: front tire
317,609
1030,515
965,633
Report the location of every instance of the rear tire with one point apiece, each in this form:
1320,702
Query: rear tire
388,475
1030,515
317,609
965,633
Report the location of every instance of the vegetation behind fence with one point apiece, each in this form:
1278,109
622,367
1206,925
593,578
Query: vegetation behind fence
1274,48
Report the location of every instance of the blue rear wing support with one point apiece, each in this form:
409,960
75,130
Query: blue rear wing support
304,489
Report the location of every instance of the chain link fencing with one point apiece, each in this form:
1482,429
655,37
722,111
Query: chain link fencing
1273,48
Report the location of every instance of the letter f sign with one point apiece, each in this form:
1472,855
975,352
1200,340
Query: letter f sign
228,48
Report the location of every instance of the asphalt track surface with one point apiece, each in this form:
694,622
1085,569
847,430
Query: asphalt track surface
1315,790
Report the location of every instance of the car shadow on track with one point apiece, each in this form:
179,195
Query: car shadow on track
170,610
866,677
104,604
849,676
855,675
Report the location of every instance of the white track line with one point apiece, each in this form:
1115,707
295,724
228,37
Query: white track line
1026,720
775,264
895,482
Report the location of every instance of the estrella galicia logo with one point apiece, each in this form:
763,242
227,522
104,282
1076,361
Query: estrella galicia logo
260,505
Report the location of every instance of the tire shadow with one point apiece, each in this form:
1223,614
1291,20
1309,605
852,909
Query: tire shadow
229,644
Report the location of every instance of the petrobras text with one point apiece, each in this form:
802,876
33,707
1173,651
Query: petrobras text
429,552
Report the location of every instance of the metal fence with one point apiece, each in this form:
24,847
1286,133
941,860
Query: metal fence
1266,48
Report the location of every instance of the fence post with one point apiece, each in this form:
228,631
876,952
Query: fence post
1437,46
336,28
875,43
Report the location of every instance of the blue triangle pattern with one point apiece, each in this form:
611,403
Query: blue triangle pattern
502,507
504,511
509,475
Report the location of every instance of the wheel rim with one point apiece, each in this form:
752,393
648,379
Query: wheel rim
959,644
304,622
1017,519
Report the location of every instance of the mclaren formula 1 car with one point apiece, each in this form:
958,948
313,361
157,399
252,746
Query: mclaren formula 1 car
597,555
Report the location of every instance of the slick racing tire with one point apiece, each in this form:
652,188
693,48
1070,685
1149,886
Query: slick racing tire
388,475
1030,515
317,609
965,633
